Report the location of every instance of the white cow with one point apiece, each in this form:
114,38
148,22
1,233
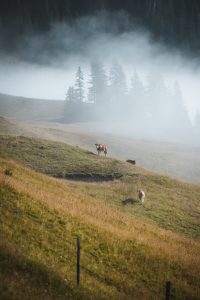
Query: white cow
141,196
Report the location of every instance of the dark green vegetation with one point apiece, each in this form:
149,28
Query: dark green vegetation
175,22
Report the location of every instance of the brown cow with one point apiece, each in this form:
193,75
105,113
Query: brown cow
101,148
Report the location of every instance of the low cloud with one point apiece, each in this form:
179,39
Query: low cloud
43,65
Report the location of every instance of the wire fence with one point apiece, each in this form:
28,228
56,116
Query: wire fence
168,284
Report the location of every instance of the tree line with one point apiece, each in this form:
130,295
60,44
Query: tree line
109,96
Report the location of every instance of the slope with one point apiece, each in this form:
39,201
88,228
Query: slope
23,108
180,161
122,256
170,203
61,160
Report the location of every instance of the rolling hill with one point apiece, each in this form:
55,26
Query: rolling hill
127,251
61,160
22,108
177,160
51,192
68,162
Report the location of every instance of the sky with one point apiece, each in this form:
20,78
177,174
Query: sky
44,65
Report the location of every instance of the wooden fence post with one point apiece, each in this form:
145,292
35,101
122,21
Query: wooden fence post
78,262
168,290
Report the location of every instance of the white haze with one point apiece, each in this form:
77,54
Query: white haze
44,65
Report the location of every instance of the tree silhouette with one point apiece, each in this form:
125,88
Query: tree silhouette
79,86
180,112
156,91
71,94
118,85
137,96
98,84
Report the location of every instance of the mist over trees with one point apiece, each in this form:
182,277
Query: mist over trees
173,22
63,33
146,105
117,89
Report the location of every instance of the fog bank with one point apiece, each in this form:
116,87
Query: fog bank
44,65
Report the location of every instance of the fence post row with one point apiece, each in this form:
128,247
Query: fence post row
78,252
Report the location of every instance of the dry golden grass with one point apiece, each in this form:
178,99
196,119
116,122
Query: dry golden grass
109,219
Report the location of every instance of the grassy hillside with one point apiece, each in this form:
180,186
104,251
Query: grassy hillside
180,161
123,254
127,251
61,160
170,203
10,127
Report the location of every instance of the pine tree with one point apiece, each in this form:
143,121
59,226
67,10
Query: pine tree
79,86
118,92
71,95
180,111
156,91
98,84
118,87
137,95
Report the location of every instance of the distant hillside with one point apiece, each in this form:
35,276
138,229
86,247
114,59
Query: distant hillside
30,109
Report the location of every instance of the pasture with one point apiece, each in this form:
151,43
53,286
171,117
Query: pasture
125,251
166,197
52,192
177,160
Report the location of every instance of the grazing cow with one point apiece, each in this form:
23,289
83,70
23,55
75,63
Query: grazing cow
101,148
141,196
133,162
